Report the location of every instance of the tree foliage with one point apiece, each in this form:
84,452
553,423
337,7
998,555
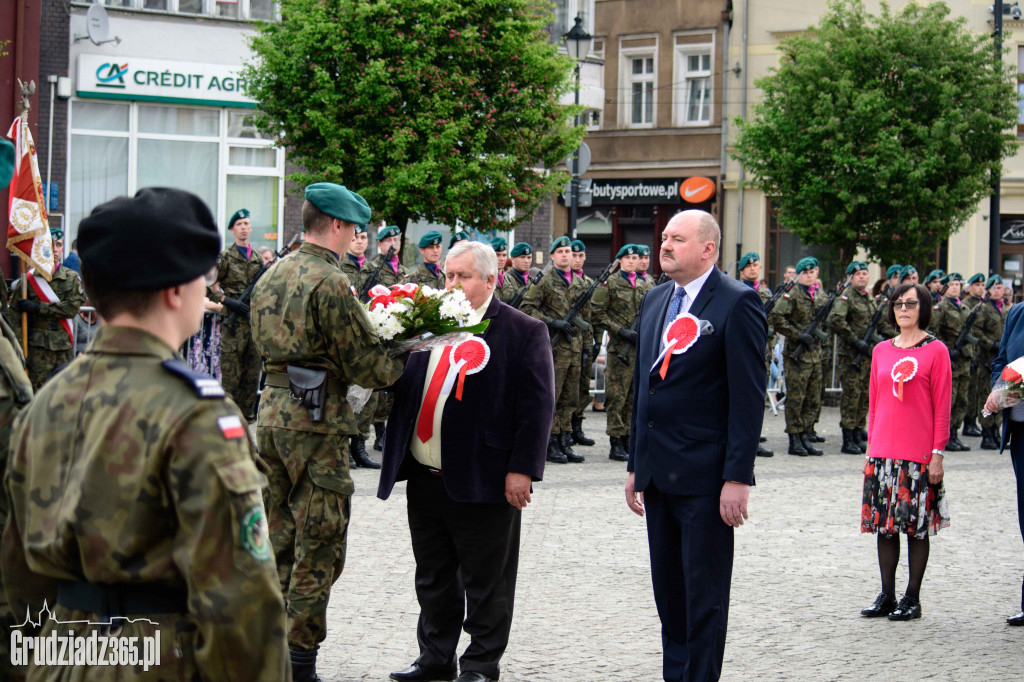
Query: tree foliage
446,110
881,132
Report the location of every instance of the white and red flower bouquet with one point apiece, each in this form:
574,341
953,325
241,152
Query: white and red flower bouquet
1010,387
409,317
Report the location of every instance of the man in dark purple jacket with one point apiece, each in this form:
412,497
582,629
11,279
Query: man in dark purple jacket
470,444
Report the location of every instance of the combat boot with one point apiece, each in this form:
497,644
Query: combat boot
304,666
850,445
762,451
971,428
378,440
618,450
862,438
570,456
989,440
796,445
555,453
358,454
954,444
809,445
813,437
578,436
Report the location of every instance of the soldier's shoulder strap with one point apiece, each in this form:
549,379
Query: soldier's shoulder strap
204,385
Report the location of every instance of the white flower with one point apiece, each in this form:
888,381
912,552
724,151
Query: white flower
430,291
450,308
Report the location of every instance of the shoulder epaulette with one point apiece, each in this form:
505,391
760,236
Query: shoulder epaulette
204,385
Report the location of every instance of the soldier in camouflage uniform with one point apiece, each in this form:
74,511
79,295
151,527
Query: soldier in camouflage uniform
750,274
160,526
933,282
237,266
429,271
978,384
892,276
616,313
589,340
947,320
352,265
849,321
549,300
988,327
305,317
791,316
392,273
518,275
644,263
49,341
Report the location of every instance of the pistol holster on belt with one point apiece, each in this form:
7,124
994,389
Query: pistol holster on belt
309,387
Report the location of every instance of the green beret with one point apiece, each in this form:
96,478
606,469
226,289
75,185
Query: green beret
560,242
338,202
499,244
388,232
979,277
628,250
856,266
992,281
934,275
432,238
952,277
521,249
748,258
578,246
893,271
56,233
907,271
808,263
238,215
459,236
360,229
643,250
6,162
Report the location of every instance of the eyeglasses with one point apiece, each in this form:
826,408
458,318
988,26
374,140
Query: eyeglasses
909,305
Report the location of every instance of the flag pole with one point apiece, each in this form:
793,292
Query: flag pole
26,90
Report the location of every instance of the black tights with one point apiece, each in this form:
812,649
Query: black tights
889,557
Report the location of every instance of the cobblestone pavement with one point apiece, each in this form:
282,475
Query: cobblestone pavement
584,605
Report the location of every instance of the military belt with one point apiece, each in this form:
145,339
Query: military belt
112,600
49,325
280,380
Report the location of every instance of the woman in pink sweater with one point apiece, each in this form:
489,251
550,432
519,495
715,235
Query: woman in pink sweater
908,425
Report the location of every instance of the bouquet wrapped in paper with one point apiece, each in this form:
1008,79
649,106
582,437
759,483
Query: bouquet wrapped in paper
1009,389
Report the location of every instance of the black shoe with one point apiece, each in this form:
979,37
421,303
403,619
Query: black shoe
762,439
971,428
570,456
618,450
578,436
862,439
815,438
809,445
358,454
304,666
378,440
883,606
850,446
764,452
954,444
473,676
1016,620
555,453
416,673
908,609
796,445
989,440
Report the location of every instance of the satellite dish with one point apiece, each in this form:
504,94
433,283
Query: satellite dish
97,26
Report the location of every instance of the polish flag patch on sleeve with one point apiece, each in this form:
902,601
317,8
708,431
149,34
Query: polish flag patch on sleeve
231,427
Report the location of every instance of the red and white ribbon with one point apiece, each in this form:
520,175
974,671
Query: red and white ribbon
903,371
678,338
45,293
467,357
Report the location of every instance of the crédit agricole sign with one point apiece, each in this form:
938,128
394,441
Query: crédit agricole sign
153,80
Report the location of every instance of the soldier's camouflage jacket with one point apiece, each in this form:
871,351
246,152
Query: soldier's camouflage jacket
44,328
422,275
947,320
387,275
551,298
850,318
356,277
512,283
791,316
617,310
988,327
234,273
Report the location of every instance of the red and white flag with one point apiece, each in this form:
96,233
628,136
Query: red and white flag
46,294
28,229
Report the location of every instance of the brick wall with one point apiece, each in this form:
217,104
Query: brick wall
53,60
537,228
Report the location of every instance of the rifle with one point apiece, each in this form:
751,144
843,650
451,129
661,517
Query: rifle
870,333
964,337
247,293
572,315
374,278
784,289
530,281
635,324
813,328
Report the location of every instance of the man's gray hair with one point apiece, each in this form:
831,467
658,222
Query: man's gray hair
484,258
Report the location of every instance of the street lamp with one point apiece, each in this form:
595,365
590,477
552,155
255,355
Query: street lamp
577,44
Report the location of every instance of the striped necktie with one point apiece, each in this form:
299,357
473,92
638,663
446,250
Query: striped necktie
673,308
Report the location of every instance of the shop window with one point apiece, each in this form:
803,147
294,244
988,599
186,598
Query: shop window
186,165
179,121
260,195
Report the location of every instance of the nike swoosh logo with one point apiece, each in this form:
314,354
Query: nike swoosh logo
690,192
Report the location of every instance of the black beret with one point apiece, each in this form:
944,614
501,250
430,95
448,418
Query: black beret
173,228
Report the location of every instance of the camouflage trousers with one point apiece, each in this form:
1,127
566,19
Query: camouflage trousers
366,417
981,386
618,388
43,362
803,393
586,372
240,365
961,386
567,386
853,407
307,501
383,408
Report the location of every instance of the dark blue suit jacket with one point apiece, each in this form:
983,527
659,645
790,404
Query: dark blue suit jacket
1011,347
700,426
502,423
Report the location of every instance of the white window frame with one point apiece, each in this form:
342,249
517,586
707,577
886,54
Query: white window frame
572,8
626,80
682,77
209,9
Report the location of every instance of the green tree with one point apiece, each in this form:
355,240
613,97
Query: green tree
881,132
446,110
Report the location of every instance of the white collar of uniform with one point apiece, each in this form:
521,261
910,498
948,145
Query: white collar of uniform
694,287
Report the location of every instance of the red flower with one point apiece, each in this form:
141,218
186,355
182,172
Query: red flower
382,300
1010,375
903,495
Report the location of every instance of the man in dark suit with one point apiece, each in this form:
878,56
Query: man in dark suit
1011,347
470,460
695,432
